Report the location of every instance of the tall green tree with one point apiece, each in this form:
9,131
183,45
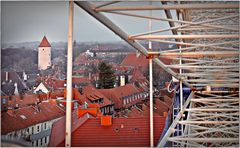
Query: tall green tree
106,76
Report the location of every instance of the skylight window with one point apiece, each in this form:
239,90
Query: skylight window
23,117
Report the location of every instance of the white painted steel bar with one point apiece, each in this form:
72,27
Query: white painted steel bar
151,86
151,101
198,54
203,45
220,140
168,7
105,4
175,122
187,23
69,77
210,36
203,23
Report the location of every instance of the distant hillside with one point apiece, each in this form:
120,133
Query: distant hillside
18,59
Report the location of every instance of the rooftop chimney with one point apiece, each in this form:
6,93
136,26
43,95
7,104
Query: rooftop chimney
106,120
16,89
24,76
6,76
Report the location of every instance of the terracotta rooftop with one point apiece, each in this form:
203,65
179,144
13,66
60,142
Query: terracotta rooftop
13,120
134,61
26,100
44,43
119,92
79,80
137,75
124,132
59,128
90,94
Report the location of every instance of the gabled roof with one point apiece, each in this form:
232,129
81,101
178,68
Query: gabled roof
91,93
80,80
44,43
134,61
124,132
25,100
24,117
59,128
117,93
14,77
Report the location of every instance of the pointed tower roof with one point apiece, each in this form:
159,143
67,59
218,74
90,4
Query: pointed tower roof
44,43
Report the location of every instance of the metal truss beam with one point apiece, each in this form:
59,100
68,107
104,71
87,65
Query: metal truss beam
118,31
206,54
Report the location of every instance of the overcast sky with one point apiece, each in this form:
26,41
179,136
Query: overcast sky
30,21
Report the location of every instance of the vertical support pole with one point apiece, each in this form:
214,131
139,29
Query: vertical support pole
69,77
180,82
151,102
151,86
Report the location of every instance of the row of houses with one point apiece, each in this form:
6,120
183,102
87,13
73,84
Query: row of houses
32,123
40,111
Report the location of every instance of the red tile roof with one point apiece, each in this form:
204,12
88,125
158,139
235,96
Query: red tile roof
44,43
91,93
59,128
13,122
141,61
134,61
27,99
159,109
79,80
117,93
54,83
124,132
83,59
51,82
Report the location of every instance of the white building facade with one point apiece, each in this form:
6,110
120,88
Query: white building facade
36,135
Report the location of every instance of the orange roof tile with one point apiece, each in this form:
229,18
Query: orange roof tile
124,132
28,116
119,92
134,61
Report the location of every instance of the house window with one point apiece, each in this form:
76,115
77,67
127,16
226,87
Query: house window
33,130
30,130
38,128
103,110
41,141
45,126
